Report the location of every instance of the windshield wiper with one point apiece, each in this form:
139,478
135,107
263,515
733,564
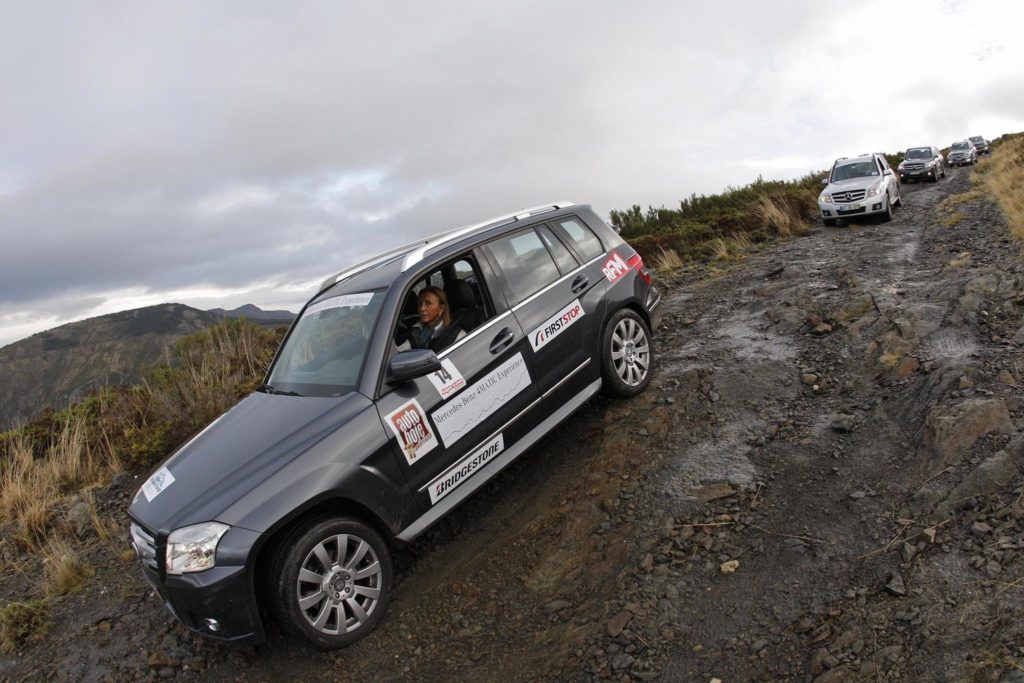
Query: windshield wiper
266,388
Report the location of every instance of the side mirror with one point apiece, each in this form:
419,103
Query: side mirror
412,364
888,171
824,181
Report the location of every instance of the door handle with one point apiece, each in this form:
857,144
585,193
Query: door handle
502,341
579,284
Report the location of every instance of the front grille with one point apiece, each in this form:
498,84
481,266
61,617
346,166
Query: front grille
914,167
145,546
849,196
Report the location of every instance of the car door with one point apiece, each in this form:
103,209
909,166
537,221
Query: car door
554,301
464,413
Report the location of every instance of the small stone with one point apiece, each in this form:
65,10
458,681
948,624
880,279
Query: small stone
1004,377
822,328
556,606
895,585
729,567
843,423
622,661
980,529
619,622
809,378
858,495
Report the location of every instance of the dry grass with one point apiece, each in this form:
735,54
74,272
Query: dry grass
953,218
962,259
33,489
779,217
1002,177
730,248
667,261
953,200
65,568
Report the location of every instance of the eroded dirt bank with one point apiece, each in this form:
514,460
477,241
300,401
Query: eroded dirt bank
822,484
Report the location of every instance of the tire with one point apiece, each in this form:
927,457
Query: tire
331,581
887,214
627,354
899,199
829,222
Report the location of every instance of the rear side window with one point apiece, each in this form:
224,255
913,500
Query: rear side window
563,257
525,262
582,238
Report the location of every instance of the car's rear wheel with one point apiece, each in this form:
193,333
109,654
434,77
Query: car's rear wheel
627,355
331,581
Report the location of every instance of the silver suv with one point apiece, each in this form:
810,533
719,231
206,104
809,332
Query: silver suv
859,186
962,153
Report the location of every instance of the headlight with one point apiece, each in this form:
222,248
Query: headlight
875,189
902,166
193,548
825,198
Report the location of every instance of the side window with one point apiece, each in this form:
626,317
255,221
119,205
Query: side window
525,262
563,257
583,240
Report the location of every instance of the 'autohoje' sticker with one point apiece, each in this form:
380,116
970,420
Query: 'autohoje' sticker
409,423
556,325
157,482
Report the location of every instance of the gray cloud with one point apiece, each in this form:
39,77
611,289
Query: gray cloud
220,146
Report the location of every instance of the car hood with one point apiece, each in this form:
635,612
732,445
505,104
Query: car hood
853,184
242,448
960,151
907,162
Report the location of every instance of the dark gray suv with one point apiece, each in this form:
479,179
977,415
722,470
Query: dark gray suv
288,504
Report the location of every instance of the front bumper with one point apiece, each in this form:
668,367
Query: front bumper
864,207
219,602
927,173
959,161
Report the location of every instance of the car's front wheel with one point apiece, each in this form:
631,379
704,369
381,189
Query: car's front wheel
331,581
887,213
627,355
829,222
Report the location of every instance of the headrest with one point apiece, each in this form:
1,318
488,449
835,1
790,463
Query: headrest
460,294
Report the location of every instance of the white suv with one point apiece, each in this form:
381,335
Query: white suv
859,186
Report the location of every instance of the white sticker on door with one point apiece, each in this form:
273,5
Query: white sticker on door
448,380
409,423
556,324
456,418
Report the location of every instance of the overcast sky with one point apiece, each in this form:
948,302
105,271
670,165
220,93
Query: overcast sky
221,153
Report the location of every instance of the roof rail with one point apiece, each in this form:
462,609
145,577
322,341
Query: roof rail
421,246
444,238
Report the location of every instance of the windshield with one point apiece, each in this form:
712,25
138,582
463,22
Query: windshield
919,153
960,145
324,353
857,169
978,139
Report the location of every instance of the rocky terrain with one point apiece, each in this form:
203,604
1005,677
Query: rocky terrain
822,484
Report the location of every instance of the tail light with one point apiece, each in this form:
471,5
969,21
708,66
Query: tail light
637,263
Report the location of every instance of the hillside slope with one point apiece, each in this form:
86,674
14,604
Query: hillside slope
59,366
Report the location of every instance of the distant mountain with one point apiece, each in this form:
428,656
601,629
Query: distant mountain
59,366
251,312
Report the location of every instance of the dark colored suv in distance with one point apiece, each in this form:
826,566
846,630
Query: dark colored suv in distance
920,163
288,504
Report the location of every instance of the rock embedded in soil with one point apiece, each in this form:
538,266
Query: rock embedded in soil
949,431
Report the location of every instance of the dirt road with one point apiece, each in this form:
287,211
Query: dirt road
821,484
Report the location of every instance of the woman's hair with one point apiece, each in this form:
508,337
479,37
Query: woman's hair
446,315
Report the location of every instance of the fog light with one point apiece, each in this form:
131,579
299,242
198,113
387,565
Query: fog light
876,207
211,624
825,212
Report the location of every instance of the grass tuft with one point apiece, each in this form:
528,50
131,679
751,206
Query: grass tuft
66,569
779,217
667,261
22,622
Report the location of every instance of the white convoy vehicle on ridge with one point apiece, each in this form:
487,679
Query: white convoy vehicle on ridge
859,186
